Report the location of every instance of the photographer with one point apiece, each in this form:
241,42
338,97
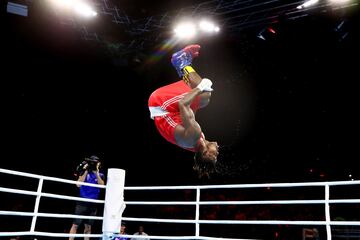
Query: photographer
88,171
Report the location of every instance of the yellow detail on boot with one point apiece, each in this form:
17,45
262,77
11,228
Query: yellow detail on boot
188,69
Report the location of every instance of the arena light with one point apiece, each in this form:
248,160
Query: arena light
307,4
185,30
65,4
339,2
84,10
208,26
78,6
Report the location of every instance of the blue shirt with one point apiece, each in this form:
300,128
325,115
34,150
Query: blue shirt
90,192
121,238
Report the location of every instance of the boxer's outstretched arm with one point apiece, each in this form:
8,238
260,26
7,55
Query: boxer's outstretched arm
189,132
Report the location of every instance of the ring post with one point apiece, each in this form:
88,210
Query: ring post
114,203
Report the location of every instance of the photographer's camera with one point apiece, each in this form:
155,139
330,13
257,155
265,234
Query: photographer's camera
89,164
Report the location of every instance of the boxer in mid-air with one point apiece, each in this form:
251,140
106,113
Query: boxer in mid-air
173,108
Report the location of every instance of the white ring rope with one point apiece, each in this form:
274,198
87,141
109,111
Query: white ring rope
53,179
261,185
245,202
49,215
50,195
326,202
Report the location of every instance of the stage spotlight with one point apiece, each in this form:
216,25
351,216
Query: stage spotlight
339,2
63,3
307,4
192,28
185,30
84,10
77,6
208,26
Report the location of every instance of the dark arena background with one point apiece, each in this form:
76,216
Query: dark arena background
284,107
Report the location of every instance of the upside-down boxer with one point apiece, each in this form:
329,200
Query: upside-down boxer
173,108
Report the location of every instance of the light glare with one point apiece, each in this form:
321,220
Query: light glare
185,30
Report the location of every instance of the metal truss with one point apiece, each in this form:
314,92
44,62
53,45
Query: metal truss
231,15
